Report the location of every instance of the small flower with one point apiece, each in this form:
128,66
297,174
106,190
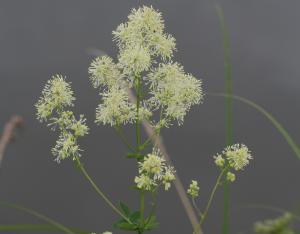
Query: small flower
238,156
280,225
153,172
153,164
144,182
134,60
107,232
230,176
57,94
168,177
219,161
115,108
173,90
193,189
104,72
79,127
66,146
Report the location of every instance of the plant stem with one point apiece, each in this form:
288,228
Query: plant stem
228,105
142,208
138,149
218,182
98,190
197,208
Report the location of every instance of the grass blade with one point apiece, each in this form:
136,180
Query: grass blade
270,117
228,114
38,216
36,228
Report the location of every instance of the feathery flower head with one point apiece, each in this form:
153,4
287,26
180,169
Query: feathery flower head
153,171
280,225
107,233
193,189
144,182
173,90
219,161
104,72
66,146
56,94
153,164
134,60
115,108
238,156
145,28
168,177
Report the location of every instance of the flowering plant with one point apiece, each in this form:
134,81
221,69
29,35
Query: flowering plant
144,84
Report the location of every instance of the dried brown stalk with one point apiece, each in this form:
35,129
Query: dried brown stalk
8,133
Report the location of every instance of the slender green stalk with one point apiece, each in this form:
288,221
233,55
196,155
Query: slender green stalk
211,197
39,216
142,208
228,105
37,228
98,190
138,148
197,208
154,202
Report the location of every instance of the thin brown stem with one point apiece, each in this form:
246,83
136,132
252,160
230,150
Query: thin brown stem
8,133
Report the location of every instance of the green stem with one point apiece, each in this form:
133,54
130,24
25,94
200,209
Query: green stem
142,208
197,208
228,105
98,190
203,217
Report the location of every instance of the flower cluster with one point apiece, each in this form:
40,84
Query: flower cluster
173,91
280,225
145,53
193,189
237,156
153,172
144,31
56,96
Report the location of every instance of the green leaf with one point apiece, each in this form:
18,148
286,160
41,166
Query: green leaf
125,209
124,225
151,223
135,217
135,155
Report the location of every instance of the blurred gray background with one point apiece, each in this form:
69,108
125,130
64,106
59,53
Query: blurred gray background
39,38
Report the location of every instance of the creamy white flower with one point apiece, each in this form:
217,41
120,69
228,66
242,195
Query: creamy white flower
145,27
238,156
134,60
104,72
144,182
173,90
57,94
115,108
193,189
